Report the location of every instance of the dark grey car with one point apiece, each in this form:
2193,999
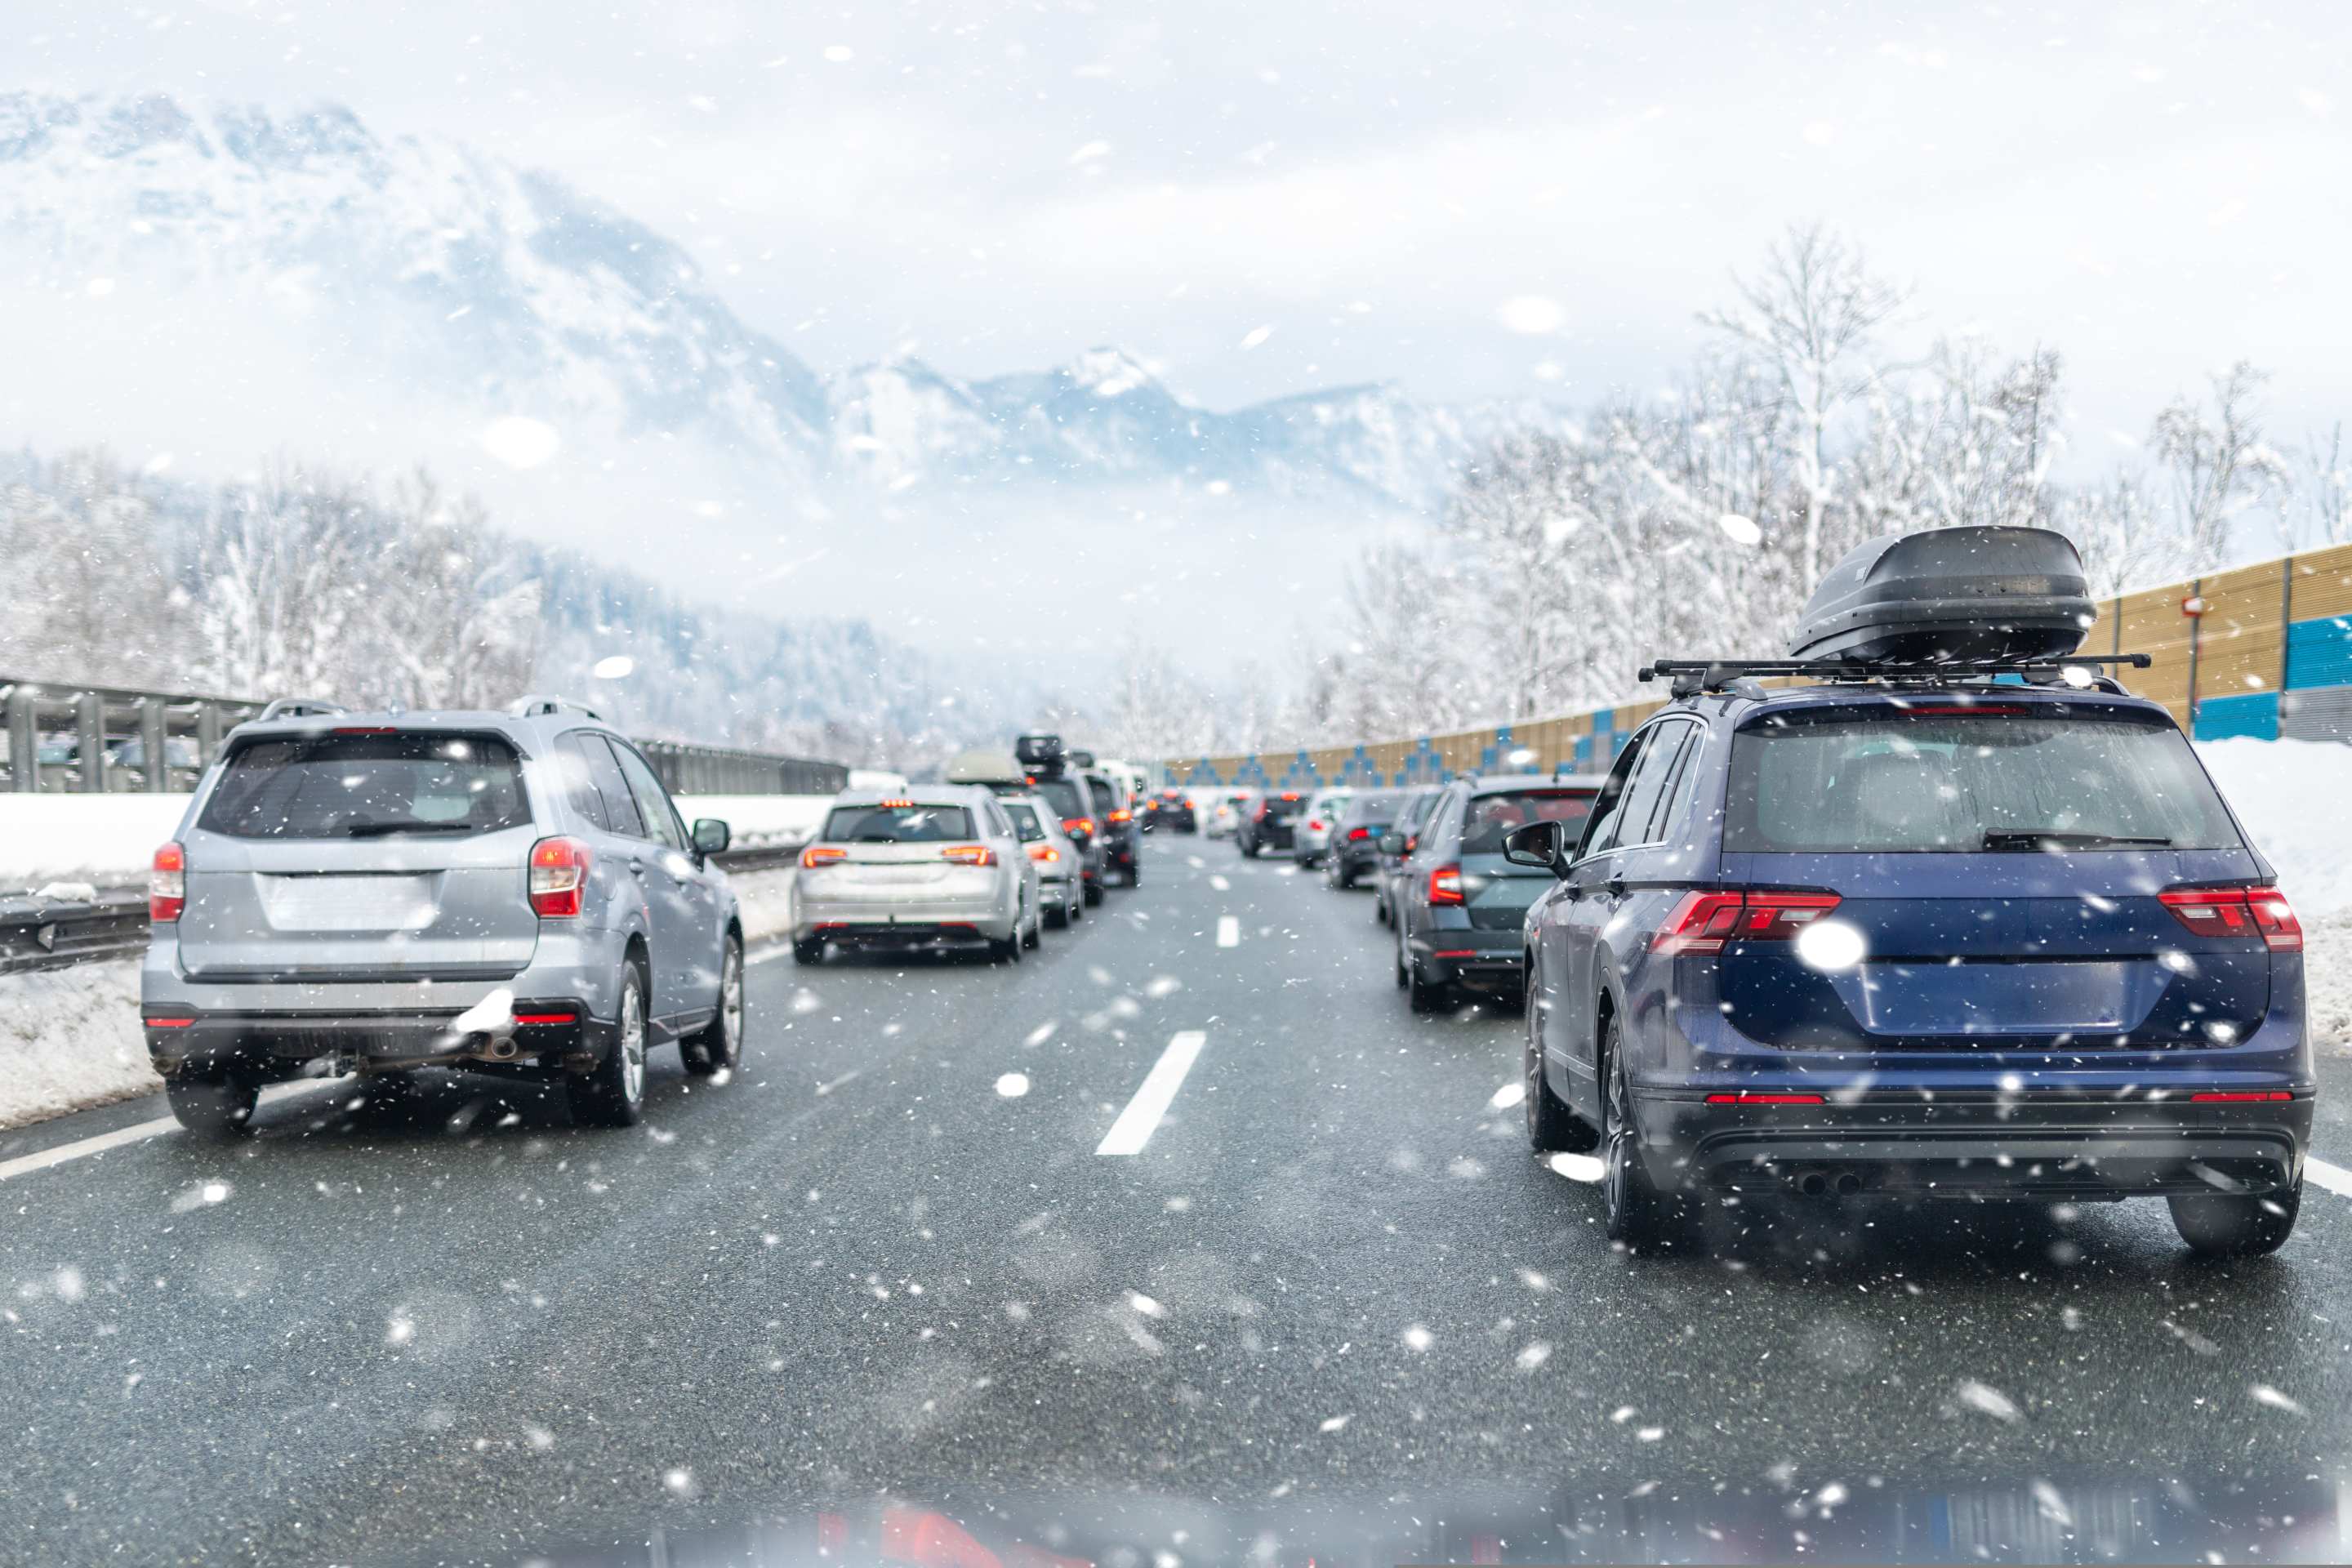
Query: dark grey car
507,893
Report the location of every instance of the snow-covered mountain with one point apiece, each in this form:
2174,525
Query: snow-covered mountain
423,268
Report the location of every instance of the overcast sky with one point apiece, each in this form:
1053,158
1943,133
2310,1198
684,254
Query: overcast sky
1265,197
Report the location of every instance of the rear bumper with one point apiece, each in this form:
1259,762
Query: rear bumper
1481,960
909,935
284,1044
1953,1145
1355,858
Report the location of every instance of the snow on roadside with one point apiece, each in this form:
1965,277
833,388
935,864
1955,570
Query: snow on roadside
2328,981
766,900
2289,795
69,1039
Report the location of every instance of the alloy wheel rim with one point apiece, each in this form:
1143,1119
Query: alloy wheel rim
1619,1139
731,1002
632,1049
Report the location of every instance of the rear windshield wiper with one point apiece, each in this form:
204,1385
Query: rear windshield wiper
385,829
2036,838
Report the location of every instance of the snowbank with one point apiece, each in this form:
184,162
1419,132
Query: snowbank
69,1039
2294,798
106,840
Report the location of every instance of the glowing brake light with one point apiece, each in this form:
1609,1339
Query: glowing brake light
2227,1097
1704,921
1044,852
2237,911
167,885
1313,825
817,855
1078,827
969,854
895,804
1750,1097
1446,884
1356,834
559,877
1122,815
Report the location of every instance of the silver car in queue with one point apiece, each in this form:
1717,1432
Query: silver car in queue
939,867
1061,864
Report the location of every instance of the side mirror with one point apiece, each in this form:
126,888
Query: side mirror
712,835
1538,844
1392,843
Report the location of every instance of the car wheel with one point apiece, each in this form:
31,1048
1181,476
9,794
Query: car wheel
215,1106
1637,1214
1094,893
1059,916
613,1093
1552,1127
1036,929
1402,977
1380,906
720,1044
2230,1227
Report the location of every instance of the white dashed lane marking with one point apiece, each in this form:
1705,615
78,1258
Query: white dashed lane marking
1136,1125
1229,930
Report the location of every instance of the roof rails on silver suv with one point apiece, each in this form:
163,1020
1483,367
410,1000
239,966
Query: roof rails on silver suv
300,708
538,703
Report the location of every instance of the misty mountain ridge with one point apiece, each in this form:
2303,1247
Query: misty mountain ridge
426,263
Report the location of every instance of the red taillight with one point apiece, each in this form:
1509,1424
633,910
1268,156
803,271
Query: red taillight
969,854
894,804
167,884
1355,833
169,1023
1704,921
1122,815
1292,794
559,877
1044,852
1313,825
2237,911
1446,884
1078,827
1748,1097
547,1018
817,855
2233,1097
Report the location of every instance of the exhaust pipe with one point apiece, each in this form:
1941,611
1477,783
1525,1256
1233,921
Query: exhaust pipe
502,1048
1813,1183
1848,1183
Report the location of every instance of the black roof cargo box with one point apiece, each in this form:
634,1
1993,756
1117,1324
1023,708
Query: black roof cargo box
1949,593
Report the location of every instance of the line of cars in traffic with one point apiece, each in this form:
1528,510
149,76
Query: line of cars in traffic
1949,914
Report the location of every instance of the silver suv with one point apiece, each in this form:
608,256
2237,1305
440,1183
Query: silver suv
371,892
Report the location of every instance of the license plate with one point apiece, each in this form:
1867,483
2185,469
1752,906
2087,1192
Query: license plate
348,903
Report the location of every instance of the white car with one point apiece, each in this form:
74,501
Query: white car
1313,835
1220,811
938,867
1061,864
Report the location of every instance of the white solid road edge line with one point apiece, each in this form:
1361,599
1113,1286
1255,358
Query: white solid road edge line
1133,1130
2335,1178
1229,930
25,1164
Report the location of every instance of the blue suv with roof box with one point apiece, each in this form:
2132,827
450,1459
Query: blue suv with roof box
1960,918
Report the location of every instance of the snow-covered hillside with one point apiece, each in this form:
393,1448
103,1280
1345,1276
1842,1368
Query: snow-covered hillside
427,272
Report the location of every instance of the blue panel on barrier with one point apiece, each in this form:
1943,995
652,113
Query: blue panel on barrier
2319,652
2224,718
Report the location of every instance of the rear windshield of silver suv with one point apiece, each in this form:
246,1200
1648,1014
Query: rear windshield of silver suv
368,786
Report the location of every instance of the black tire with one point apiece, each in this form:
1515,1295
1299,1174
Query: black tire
1134,874
1426,995
215,1106
1035,936
613,1093
1093,894
809,952
719,1045
1059,917
1250,851
2226,1226
1380,906
1637,1214
1552,1127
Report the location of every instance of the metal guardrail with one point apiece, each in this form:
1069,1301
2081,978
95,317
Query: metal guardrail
58,934
96,739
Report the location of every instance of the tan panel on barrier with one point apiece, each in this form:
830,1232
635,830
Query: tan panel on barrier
2241,634
2153,624
2322,583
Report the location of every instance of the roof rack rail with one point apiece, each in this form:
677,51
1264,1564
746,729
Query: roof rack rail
537,703
299,708
1692,675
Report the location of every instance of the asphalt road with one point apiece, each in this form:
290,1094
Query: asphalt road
890,1257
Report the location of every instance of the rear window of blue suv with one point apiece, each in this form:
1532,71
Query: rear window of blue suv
1968,779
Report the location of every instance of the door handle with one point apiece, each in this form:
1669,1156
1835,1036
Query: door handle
637,867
